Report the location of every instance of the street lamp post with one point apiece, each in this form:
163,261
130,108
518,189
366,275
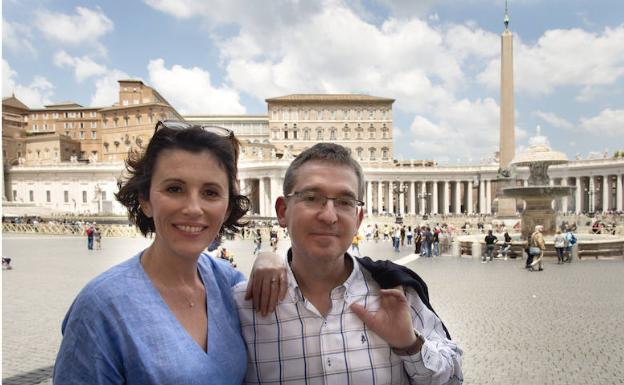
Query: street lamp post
398,191
423,196
590,194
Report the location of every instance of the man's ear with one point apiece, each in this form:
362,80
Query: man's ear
280,210
360,218
145,206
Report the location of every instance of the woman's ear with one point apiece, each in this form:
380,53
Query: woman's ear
145,206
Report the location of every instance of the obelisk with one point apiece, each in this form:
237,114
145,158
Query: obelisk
507,120
506,207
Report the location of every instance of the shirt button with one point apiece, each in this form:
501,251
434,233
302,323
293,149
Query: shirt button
329,362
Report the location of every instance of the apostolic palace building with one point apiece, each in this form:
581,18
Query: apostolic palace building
66,158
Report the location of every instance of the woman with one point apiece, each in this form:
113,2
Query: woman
537,247
560,245
166,315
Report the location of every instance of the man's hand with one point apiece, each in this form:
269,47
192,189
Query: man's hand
392,321
267,282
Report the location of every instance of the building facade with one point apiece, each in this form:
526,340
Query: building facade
56,170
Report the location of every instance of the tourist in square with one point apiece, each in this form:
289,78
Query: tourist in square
167,315
97,237
490,242
338,324
89,232
537,247
570,238
560,244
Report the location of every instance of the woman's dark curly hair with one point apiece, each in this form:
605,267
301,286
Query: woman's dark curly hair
140,168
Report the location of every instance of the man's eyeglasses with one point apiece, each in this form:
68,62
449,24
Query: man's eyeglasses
317,201
179,125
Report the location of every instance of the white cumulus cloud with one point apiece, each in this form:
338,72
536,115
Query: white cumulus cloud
17,37
608,122
83,27
107,88
36,94
84,67
190,90
554,119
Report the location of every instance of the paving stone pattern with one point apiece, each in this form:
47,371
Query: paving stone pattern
559,326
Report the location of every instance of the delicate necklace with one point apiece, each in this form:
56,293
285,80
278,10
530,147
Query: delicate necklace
188,299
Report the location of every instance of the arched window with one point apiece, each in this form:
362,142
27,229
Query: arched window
371,151
332,134
359,152
384,153
319,134
306,134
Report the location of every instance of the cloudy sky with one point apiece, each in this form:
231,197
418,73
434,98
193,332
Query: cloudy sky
440,60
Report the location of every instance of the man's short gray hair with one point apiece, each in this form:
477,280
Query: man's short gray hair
325,152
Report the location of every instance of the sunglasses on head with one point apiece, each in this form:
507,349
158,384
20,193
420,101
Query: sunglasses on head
179,125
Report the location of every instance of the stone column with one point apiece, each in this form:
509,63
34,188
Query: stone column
618,193
578,202
434,195
412,197
369,198
379,197
261,197
423,197
605,193
401,200
488,197
242,185
391,197
482,197
446,197
458,185
564,200
469,197
591,194
553,204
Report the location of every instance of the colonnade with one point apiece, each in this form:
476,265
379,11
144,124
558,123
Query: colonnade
420,197
594,193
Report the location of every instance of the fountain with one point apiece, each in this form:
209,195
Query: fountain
539,194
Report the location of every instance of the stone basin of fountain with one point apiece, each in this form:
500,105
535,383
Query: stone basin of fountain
587,246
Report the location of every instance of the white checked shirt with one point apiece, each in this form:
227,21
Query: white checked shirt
297,345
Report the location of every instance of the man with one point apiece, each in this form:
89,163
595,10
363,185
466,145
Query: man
570,241
490,241
537,247
335,325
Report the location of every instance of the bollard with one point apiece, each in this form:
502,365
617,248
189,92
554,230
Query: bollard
476,249
455,249
575,252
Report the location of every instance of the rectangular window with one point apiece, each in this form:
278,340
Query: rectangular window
48,196
55,115
93,124
285,134
84,197
125,102
93,114
126,120
82,135
103,195
31,195
14,195
81,114
138,119
81,125
45,116
93,134
66,196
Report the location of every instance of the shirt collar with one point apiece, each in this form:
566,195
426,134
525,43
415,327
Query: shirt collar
353,285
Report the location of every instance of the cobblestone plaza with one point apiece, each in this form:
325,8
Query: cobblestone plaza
559,326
